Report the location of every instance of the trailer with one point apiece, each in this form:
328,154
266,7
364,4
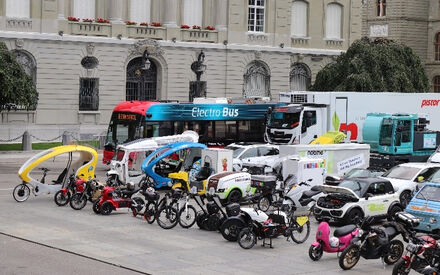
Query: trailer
308,115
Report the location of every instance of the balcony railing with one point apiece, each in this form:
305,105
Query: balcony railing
199,36
300,41
139,32
86,28
334,42
19,23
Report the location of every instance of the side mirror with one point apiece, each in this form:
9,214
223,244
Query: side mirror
368,195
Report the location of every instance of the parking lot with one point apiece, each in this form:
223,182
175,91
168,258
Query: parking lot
37,235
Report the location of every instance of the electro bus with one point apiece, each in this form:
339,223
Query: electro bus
218,124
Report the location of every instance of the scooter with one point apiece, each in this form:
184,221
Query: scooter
112,199
62,197
85,191
374,243
324,243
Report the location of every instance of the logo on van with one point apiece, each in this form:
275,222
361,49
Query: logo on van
430,102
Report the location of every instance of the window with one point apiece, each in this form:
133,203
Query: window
256,80
299,19
300,77
377,189
333,23
309,119
250,153
428,174
84,8
88,94
27,61
381,7
436,83
437,47
192,12
256,16
18,8
140,10
268,151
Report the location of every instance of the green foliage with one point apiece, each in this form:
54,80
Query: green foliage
16,87
379,65
335,121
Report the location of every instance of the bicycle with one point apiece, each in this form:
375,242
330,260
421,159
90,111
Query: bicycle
170,214
22,191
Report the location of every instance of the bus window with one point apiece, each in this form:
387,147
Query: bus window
231,130
220,130
166,128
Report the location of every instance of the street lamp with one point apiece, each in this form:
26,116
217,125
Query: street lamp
146,63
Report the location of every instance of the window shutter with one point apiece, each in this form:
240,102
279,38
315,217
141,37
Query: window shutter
18,8
192,12
84,8
333,21
140,10
299,19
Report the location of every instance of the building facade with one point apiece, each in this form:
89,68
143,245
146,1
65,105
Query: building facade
85,56
413,23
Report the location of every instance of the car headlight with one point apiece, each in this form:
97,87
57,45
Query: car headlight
432,220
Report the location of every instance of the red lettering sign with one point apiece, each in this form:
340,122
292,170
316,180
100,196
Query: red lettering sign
352,128
126,117
429,102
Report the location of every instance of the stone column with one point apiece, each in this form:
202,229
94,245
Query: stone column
116,8
221,14
61,10
170,13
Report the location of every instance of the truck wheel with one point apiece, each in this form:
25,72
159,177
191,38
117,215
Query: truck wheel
234,196
405,198
392,212
354,216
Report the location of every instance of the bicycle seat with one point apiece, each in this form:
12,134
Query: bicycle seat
342,231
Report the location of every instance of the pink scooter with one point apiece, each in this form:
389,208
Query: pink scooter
340,240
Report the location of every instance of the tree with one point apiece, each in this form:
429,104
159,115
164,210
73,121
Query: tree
17,88
378,65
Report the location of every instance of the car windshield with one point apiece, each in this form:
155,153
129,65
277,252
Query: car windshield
402,173
284,120
429,192
355,186
236,150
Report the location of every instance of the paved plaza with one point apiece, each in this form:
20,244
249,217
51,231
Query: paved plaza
39,237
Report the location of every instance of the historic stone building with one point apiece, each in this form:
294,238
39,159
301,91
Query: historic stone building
414,23
85,56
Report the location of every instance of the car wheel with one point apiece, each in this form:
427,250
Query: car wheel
392,212
405,198
234,196
354,216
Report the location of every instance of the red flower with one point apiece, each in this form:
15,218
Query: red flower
87,20
184,26
130,23
210,28
72,18
143,24
156,24
101,20
195,27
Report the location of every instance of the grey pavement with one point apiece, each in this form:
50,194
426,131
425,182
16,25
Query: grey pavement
123,240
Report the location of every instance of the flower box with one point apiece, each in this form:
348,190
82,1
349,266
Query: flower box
130,23
144,24
184,26
195,27
210,28
156,24
102,21
87,20
73,19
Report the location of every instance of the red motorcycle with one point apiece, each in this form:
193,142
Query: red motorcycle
113,198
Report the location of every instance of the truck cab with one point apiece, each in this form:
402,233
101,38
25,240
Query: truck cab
295,123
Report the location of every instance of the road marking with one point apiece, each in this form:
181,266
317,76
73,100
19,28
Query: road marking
6,189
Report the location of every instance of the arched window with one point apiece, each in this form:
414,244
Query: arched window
141,84
18,8
299,19
192,12
300,77
256,80
436,84
437,47
333,21
27,61
84,8
381,8
140,10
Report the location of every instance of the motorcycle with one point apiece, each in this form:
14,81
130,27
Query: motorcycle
373,243
85,191
113,198
62,197
422,252
324,243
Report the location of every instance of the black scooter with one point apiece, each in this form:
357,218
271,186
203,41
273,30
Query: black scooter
374,243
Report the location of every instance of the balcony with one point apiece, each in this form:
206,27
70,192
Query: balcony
199,36
19,24
334,42
300,41
141,32
90,28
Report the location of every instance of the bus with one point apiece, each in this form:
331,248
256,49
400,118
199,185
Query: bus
218,122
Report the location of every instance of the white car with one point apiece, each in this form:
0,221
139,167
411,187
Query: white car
409,177
242,152
356,198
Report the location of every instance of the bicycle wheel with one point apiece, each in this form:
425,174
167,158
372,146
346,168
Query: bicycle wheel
150,212
78,201
300,233
61,199
264,204
21,192
187,217
167,217
247,238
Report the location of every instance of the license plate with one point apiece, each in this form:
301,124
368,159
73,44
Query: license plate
302,220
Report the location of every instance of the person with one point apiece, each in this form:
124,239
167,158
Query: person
194,171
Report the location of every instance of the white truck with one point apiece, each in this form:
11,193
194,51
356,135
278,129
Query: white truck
308,115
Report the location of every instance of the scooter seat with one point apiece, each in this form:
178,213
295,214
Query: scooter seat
342,231
310,193
391,232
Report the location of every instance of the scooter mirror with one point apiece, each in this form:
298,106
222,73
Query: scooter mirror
211,191
193,190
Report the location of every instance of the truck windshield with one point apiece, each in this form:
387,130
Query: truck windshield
284,120
428,192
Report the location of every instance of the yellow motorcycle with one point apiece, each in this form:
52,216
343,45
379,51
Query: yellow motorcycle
83,168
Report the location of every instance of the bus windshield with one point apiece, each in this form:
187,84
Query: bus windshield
284,120
123,128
